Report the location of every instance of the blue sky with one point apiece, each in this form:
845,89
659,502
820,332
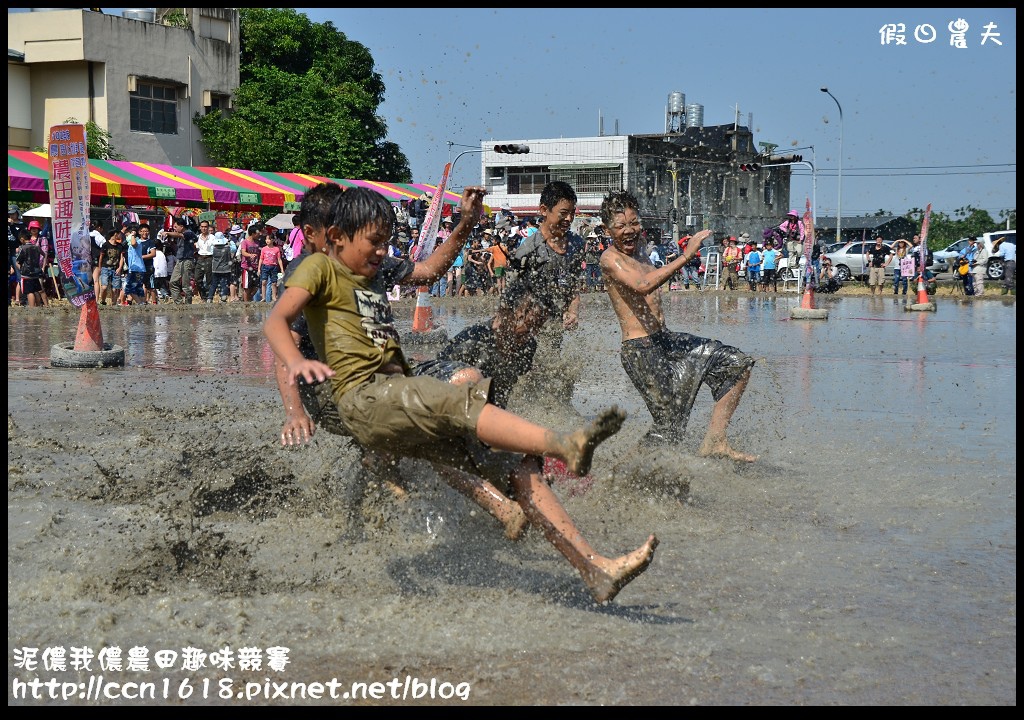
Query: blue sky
923,122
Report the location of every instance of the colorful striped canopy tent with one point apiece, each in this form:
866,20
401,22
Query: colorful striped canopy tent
212,188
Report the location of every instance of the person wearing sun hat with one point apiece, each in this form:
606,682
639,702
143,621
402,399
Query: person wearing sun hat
731,258
14,228
28,264
792,235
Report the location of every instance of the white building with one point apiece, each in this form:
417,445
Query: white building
688,178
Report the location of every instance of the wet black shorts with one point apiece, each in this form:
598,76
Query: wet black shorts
668,369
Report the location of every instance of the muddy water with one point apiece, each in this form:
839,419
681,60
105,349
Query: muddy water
868,557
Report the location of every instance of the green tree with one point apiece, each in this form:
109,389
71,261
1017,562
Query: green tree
307,103
944,230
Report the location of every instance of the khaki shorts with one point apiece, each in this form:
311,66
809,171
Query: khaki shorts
426,418
876,276
317,400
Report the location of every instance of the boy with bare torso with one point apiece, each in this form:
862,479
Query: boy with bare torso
667,367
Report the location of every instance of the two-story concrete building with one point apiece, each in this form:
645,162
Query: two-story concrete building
141,76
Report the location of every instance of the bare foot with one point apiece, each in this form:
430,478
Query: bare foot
583,442
724,450
605,583
383,467
515,522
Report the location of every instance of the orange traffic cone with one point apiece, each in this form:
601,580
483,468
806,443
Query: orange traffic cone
922,291
807,301
422,317
90,334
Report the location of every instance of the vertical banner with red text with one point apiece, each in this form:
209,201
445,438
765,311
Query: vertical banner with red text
69,210
810,277
922,248
432,221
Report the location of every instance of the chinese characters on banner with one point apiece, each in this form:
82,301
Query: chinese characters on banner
432,221
69,208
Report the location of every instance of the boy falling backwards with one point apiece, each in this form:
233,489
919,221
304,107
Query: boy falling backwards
342,292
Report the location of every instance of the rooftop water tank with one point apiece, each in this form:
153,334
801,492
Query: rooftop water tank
676,102
694,115
143,14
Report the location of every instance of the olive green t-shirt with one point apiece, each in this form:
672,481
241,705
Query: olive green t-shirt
350,321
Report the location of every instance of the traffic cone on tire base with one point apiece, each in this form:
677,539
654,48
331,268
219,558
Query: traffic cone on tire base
90,334
922,291
807,301
422,317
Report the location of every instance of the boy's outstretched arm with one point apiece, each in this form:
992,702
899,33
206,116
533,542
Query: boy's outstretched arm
430,269
277,330
645,279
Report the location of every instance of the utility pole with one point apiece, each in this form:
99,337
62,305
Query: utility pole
675,199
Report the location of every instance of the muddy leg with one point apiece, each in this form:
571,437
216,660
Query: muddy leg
580,445
604,577
503,430
716,444
484,494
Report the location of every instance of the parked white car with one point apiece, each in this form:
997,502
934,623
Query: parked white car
942,258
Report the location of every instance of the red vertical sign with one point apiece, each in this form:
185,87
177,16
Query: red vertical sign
69,210
922,248
432,221
809,275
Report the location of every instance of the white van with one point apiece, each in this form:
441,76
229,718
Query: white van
995,264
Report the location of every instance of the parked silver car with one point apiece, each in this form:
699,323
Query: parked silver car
941,258
851,262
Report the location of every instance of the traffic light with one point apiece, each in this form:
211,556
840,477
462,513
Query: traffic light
513,149
784,159
750,167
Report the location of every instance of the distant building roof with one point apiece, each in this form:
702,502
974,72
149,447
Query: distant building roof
868,222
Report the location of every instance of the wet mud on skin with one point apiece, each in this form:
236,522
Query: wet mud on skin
868,557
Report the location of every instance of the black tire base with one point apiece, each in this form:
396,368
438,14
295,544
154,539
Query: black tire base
64,355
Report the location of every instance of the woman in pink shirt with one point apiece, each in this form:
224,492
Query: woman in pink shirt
295,239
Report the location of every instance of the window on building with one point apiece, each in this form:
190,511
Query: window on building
590,180
218,102
154,108
769,194
743,193
527,180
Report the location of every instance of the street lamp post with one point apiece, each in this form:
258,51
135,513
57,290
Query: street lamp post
839,202
675,200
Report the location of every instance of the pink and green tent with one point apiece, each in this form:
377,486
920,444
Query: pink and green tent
209,187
